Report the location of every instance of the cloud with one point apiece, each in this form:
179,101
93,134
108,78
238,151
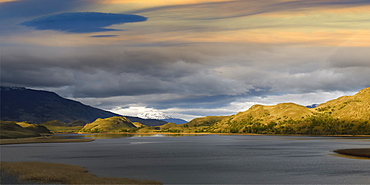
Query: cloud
82,22
34,8
201,74
193,58
101,36
242,8
14,12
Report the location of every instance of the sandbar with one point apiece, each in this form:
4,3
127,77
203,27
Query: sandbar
358,152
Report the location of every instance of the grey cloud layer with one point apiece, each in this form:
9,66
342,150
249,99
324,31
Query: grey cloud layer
128,73
174,70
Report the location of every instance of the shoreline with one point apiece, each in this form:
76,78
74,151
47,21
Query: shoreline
49,139
57,173
209,133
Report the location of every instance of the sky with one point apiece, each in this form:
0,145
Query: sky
187,58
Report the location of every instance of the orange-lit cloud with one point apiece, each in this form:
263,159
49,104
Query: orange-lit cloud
5,1
159,2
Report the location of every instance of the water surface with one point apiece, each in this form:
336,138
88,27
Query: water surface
208,159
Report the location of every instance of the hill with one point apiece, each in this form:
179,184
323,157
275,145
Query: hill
345,115
36,106
12,129
195,126
349,108
34,127
267,114
205,121
260,116
113,124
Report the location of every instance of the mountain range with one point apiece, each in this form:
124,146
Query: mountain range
37,106
347,115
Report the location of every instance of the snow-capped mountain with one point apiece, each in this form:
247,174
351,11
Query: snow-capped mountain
160,116
153,115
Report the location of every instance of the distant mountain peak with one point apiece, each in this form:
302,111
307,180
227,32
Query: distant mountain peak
152,114
312,106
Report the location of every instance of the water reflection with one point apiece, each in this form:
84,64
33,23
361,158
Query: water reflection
116,136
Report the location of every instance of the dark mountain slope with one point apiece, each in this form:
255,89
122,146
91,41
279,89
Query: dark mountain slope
36,106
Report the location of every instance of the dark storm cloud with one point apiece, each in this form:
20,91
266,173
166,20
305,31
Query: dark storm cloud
109,73
196,101
39,77
197,75
82,22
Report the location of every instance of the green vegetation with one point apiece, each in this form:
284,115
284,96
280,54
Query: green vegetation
13,129
34,127
54,173
316,124
57,126
349,108
23,132
64,129
10,129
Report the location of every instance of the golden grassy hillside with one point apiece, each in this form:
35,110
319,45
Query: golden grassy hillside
261,117
345,115
349,108
205,121
10,129
267,114
34,127
112,124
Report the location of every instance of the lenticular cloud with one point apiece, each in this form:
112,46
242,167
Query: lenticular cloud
82,22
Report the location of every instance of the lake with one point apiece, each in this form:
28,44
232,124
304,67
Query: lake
208,159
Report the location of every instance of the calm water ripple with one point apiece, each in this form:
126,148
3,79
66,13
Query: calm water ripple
209,159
